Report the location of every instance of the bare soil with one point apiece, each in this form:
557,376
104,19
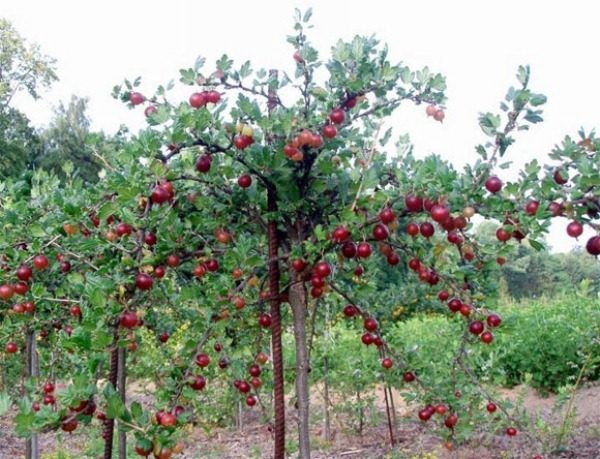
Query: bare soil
413,440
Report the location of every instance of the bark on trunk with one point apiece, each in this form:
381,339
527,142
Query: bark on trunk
327,421
122,388
297,297
109,425
275,303
32,449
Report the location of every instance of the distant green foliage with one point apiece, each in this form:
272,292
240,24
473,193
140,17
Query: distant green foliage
544,343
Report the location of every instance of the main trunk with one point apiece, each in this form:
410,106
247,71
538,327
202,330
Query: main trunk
122,388
275,302
298,303
32,450
109,425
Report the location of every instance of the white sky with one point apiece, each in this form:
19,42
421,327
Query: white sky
478,45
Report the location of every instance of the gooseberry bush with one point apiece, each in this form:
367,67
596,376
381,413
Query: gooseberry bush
242,212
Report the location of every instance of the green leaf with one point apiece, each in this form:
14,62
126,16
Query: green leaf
114,406
307,15
536,245
136,410
4,402
537,99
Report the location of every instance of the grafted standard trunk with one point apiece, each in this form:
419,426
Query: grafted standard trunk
297,297
32,449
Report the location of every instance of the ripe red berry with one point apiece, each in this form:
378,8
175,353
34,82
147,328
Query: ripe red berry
454,238
69,425
150,110
561,177
574,229
476,327
160,195
143,281
24,273
11,348
329,131
322,269
531,207
337,116
493,320
370,324
387,363
451,421
412,229
203,163
264,320
202,360
439,115
349,249
213,97
487,337
443,295
136,98
387,216
454,304
168,420
40,262
298,57
593,245
413,203
493,184
409,377
340,234
159,272
128,319
393,259
241,142
123,229
350,310
367,338
511,431
425,414
48,388
364,250
491,407
439,213
212,265
244,180
150,238
6,291
380,232
414,264
251,400
164,337
298,265
198,383
502,235
555,208
254,370
244,387
427,229
198,100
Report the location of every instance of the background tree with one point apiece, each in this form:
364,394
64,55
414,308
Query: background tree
68,138
23,66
